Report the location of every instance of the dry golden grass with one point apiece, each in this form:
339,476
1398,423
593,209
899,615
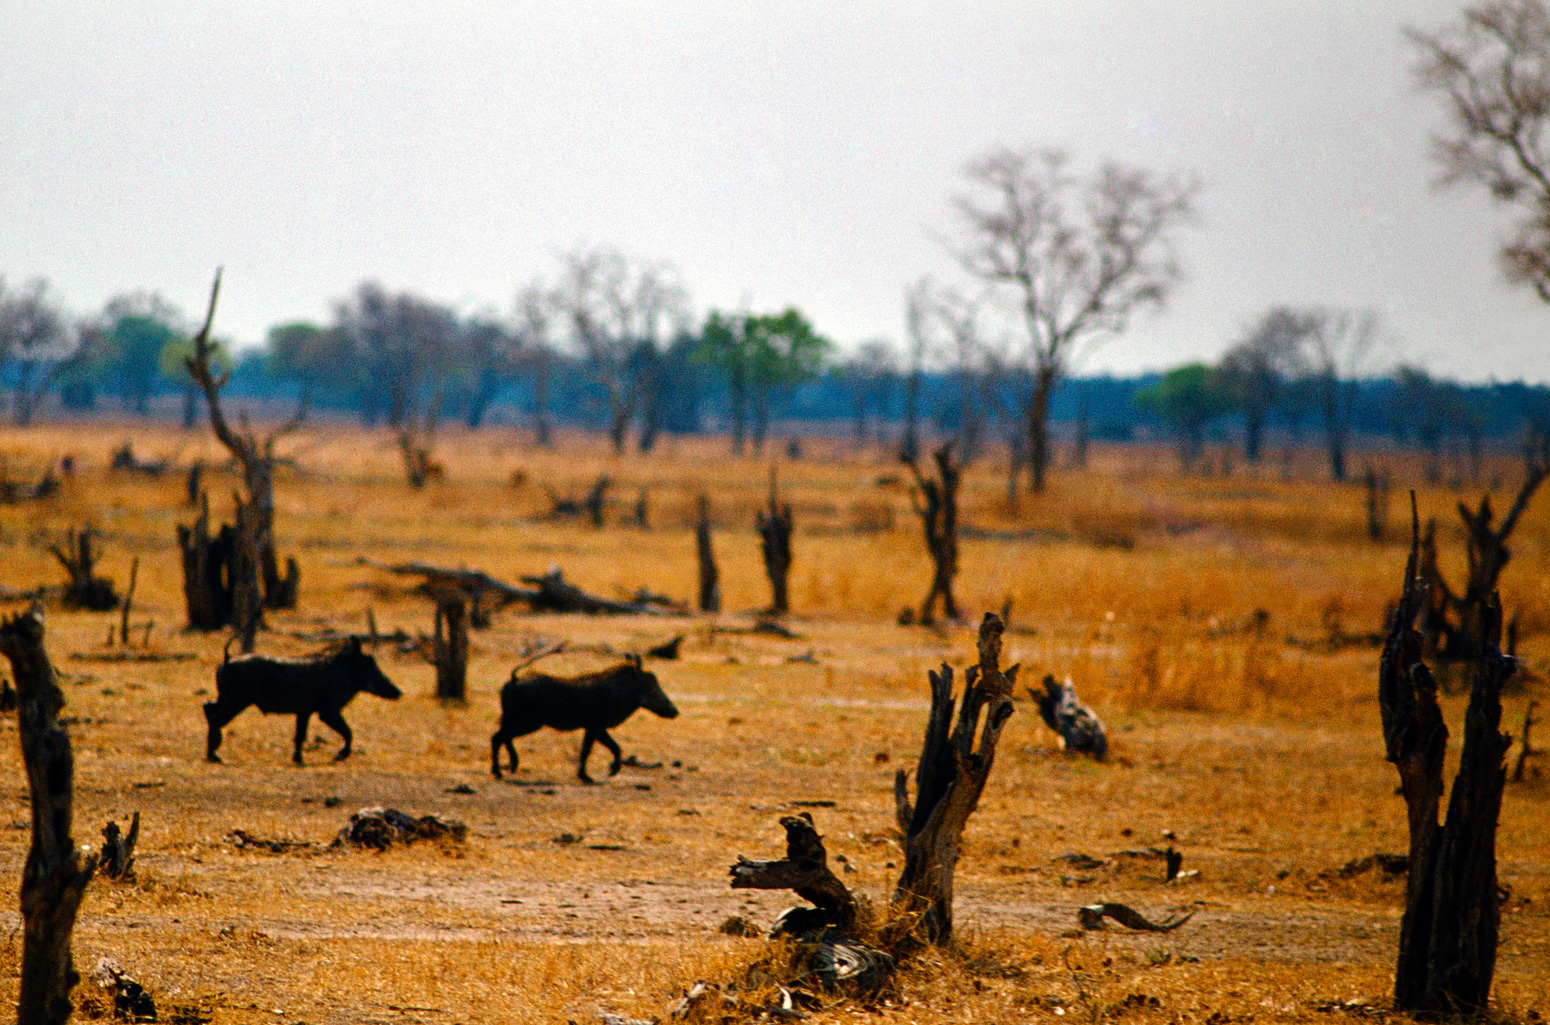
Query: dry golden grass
1260,757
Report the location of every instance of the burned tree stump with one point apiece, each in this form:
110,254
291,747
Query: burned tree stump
451,647
56,873
951,774
1448,935
774,525
710,576
936,503
84,590
206,576
195,482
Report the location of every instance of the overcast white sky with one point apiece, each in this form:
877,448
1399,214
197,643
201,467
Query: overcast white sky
781,152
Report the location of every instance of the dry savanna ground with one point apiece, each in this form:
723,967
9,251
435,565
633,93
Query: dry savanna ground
1257,753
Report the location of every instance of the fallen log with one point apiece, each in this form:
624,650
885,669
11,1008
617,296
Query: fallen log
1092,916
556,594
805,871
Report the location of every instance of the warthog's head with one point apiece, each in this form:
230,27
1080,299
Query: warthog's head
652,697
364,672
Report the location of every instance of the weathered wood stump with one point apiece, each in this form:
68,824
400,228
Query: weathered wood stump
710,576
774,524
936,503
804,870
56,873
206,570
948,781
1448,935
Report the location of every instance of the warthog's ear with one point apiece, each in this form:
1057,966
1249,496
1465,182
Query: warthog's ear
632,659
353,645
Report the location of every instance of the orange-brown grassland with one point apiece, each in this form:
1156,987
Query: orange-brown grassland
1245,741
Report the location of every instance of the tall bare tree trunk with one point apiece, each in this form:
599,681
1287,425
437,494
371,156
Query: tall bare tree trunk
56,874
1448,935
1038,426
948,782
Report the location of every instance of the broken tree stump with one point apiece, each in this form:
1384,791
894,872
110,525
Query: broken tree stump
710,576
936,503
804,870
951,774
774,524
85,590
56,873
206,561
1448,935
451,647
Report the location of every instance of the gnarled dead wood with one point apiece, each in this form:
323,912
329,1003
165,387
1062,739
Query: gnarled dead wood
1448,935
556,594
206,560
1454,622
125,460
253,549
84,590
936,503
805,870
774,524
56,874
948,782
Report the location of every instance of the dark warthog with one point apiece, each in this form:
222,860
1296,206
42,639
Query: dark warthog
321,684
596,702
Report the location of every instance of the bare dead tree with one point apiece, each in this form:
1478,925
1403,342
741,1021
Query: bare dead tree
710,576
949,779
774,525
613,306
38,342
1491,76
1336,344
56,873
918,308
1256,369
254,578
1448,935
1077,258
936,503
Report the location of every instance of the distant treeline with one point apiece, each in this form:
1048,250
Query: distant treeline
609,348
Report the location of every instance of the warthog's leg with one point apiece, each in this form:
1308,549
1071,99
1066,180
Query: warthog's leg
217,715
498,738
613,748
334,721
586,752
302,718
